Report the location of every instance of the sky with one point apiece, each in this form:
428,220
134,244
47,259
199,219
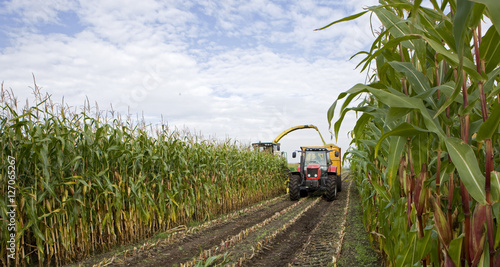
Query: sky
239,69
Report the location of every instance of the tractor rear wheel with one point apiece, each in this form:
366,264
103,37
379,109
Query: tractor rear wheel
331,188
294,187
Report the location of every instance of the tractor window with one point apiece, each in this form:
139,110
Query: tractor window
318,157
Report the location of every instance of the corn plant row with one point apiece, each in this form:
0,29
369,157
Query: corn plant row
232,240
182,231
86,183
425,149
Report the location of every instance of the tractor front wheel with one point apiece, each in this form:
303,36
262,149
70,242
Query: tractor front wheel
331,188
294,187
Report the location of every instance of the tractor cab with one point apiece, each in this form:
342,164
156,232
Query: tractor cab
268,147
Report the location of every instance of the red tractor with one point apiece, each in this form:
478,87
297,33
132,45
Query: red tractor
315,173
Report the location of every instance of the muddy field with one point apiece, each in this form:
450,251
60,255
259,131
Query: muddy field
278,232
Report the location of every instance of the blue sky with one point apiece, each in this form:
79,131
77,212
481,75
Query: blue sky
246,70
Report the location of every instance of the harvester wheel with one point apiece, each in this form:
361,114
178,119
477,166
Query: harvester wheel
339,183
294,187
331,188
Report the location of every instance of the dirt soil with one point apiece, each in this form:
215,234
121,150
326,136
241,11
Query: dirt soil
282,233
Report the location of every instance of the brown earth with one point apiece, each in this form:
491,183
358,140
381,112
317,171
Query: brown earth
279,233
183,250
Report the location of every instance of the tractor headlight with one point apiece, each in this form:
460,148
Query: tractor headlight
315,175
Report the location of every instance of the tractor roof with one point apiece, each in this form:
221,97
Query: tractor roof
264,144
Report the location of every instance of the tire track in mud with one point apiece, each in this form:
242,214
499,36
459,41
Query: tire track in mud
325,242
282,250
239,244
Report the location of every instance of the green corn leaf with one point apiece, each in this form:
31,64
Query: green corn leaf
493,7
365,110
420,148
330,113
460,23
48,214
396,147
465,161
484,261
422,247
386,46
407,102
381,191
361,123
444,31
395,114
393,100
451,98
352,17
455,249
397,27
403,258
490,126
417,79
495,186
404,130
451,58
454,60
476,15
351,94
490,49
489,85
448,90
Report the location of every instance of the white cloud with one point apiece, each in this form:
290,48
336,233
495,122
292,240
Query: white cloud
172,59
36,12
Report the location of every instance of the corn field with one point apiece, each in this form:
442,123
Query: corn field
425,151
86,183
